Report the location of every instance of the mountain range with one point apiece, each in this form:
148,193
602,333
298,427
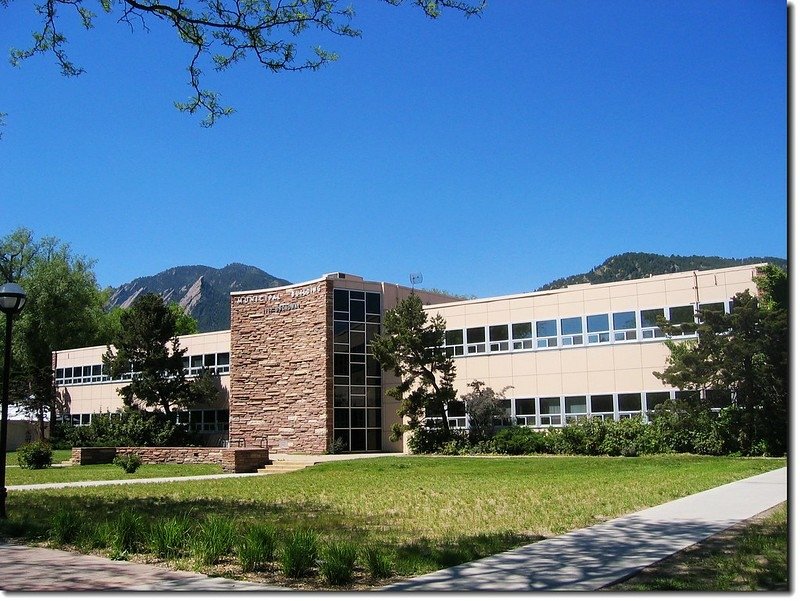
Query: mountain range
204,291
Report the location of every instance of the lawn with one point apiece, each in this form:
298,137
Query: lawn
84,473
427,512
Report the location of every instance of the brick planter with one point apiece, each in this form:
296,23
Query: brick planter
238,460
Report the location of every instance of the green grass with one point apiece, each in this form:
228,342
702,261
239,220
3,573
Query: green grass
83,473
58,456
424,513
753,558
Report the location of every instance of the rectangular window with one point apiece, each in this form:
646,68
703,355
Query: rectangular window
550,411
654,399
575,405
498,338
715,307
684,317
624,325
522,335
223,363
602,403
688,395
373,303
196,364
649,318
476,340
527,407
341,300
546,336
357,310
454,342
597,328
630,402
571,331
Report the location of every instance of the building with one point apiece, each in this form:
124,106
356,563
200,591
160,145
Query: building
297,372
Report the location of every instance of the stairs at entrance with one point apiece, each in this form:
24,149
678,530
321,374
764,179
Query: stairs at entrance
283,466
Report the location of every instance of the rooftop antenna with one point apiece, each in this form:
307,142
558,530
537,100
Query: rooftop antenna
415,278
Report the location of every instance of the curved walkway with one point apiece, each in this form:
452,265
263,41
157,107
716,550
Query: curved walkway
585,559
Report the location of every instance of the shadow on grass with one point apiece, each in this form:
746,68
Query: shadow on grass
30,520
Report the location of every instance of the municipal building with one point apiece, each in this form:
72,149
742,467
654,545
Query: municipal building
297,372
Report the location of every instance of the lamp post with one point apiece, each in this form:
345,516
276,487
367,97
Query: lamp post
12,300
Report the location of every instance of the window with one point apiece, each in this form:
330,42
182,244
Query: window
624,325
602,405
456,414
546,336
526,412
654,399
684,317
692,396
718,399
714,307
597,328
629,402
223,363
454,342
575,407
498,338
522,336
476,340
571,331
649,318
550,411
196,364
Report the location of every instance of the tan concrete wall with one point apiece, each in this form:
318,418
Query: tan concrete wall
103,397
281,368
592,369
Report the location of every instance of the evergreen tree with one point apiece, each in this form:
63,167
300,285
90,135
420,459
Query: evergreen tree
412,346
147,345
744,352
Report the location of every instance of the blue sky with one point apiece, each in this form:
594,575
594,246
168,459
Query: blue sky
491,154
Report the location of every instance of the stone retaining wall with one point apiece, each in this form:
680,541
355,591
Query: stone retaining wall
238,460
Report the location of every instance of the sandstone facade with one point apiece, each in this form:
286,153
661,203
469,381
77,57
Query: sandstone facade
281,368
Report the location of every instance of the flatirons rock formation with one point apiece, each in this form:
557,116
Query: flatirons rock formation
202,291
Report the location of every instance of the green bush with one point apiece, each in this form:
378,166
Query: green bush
338,562
129,462
625,437
299,553
167,538
256,548
131,428
425,440
65,526
213,540
35,455
377,562
520,440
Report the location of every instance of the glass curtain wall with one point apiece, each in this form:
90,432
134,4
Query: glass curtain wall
356,372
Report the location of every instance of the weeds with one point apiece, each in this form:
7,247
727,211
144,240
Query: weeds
213,540
377,563
299,553
65,526
338,562
168,537
256,548
127,533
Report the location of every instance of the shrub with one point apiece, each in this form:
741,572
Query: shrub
214,539
299,553
65,526
378,563
256,548
35,455
623,438
425,440
338,562
520,440
126,533
128,462
131,428
168,537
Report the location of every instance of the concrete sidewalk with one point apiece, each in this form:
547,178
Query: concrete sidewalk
594,557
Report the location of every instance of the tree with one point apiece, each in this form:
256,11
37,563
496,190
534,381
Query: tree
744,352
222,33
147,345
63,310
483,406
412,346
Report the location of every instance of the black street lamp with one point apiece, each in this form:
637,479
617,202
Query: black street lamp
12,299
